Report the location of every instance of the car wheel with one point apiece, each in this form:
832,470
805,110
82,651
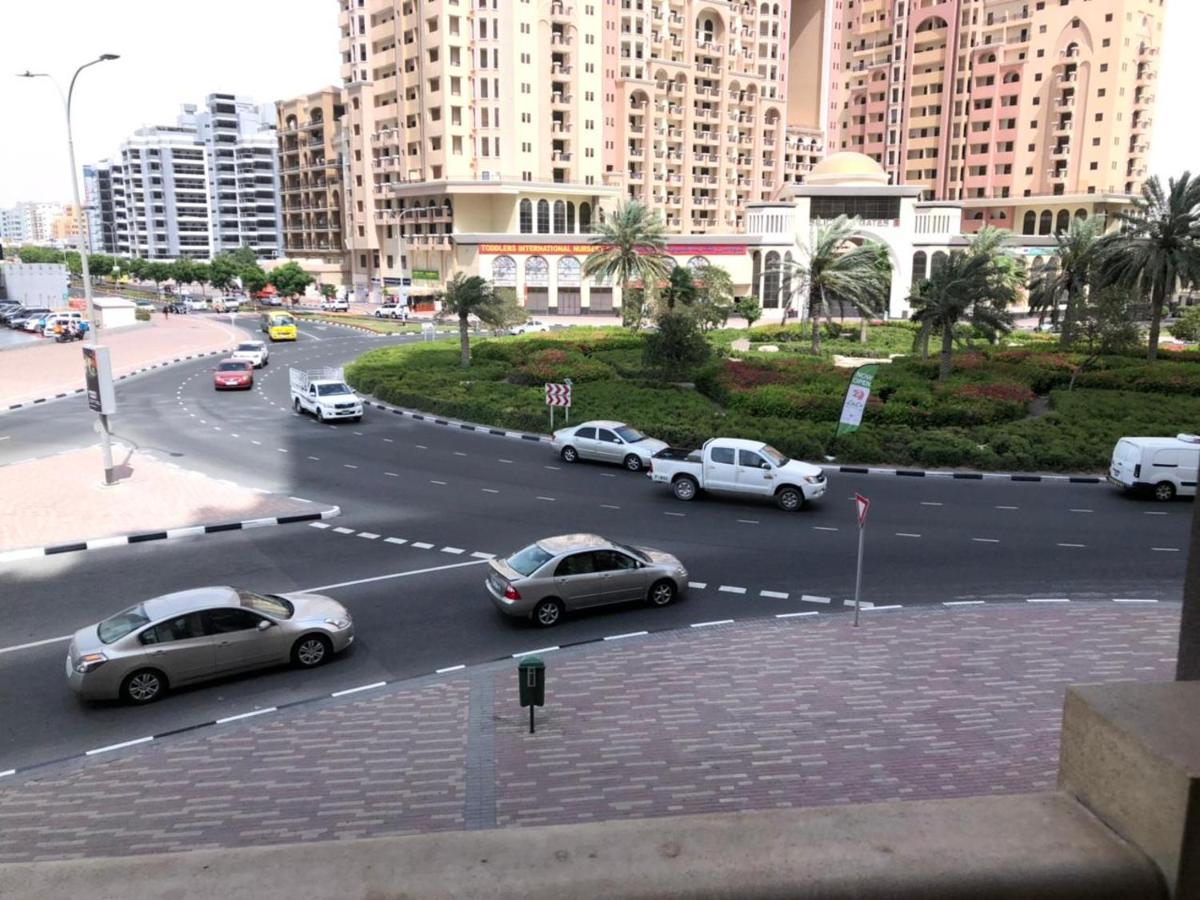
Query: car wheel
662,593
547,613
320,415
143,686
1164,491
569,454
311,651
296,405
684,487
789,499
633,462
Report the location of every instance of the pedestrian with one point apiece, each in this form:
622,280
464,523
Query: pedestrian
166,310
58,327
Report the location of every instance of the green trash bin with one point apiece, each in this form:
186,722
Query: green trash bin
531,682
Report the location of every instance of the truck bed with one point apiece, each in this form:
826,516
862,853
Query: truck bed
678,454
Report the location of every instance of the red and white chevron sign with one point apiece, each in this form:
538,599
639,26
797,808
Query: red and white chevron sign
558,394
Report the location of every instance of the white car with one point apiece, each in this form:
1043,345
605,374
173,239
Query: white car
607,441
335,305
195,304
253,352
392,311
529,327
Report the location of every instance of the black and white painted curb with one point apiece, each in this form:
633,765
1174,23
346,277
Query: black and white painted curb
372,331
416,680
456,423
169,534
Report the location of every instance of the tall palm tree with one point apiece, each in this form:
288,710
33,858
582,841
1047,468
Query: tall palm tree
1067,279
633,248
837,268
1157,248
467,296
976,284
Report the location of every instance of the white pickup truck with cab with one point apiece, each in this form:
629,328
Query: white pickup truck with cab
325,394
737,466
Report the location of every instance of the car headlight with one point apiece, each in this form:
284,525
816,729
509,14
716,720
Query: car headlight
812,479
340,624
90,662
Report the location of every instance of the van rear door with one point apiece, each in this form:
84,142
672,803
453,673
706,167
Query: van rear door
1126,460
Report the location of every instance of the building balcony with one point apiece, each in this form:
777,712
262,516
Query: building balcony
559,39
560,155
561,11
560,68
560,100
1063,127
1060,150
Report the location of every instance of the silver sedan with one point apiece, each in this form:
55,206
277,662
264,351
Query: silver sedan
575,571
606,441
195,635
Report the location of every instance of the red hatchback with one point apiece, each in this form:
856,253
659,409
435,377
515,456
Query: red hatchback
233,374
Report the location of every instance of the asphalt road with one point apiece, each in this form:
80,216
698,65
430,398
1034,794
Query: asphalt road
446,497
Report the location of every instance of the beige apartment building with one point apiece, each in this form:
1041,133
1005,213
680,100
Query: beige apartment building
1029,112
311,182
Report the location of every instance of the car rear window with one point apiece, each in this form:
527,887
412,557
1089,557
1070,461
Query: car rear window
116,627
232,367
249,348
529,560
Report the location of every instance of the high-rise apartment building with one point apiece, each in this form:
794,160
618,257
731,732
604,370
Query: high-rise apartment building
29,222
1026,111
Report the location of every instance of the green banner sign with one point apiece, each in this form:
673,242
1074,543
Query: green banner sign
426,275
856,398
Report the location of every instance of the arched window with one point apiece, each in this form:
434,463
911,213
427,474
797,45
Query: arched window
560,217
937,262
543,225
570,217
537,272
756,263
785,286
1011,78
1045,222
526,217
504,271
919,262
585,217
1081,214
697,262
771,281
1063,221
568,272
1030,224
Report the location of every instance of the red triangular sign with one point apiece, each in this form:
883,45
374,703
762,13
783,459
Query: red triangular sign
861,505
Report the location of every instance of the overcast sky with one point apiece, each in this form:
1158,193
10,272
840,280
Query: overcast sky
270,49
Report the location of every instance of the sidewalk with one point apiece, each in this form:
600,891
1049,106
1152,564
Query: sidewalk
916,704
48,368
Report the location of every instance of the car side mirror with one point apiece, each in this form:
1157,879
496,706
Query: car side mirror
264,625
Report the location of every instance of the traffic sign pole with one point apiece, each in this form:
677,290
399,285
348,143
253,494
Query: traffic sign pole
861,505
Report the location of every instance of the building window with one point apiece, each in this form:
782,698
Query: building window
1045,222
1063,221
585,217
1029,225
696,263
918,265
543,217
560,217
526,217
537,272
568,272
504,272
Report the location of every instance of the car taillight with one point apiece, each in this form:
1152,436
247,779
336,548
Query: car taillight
511,593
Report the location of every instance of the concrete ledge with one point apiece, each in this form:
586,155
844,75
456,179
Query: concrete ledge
1031,845
1131,754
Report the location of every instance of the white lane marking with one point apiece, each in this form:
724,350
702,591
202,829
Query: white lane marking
873,608
315,458
1007,507
531,652
796,615
931,503
747,521
299,499
716,622
986,540
5,437
677,515
731,589
1165,549
281,450
963,603
1082,510
369,535
392,474
906,534
122,745
318,525
361,687
553,468
1072,545
388,441
8,772
698,585
608,506
341,529
459,453
865,604
1147,513
247,715
628,634
547,499
456,551
777,595
234,434
359,433
809,598
42,643
341,584
823,528
348,466
395,540
259,443
1048,600
457,668
422,447
480,554
435,481
216,428
1134,600
421,545
489,490
607,475
506,460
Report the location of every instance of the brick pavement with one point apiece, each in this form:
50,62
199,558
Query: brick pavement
915,704
48,368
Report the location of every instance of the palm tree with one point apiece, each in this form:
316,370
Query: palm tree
838,268
467,296
633,248
1068,278
976,284
1157,248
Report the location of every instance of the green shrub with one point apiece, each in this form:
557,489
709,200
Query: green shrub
677,348
141,315
1187,328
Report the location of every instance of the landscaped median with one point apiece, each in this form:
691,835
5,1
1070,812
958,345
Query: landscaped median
1002,408
369,323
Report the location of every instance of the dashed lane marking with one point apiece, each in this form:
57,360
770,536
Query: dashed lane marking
553,468
348,466
341,529
628,634
1134,600
480,554
489,490
395,540
281,449
361,687
532,652
963,603
1155,513
986,540
608,506
422,545
1165,549
810,598
388,441
1072,545
1082,510
1048,600
675,514
747,521
392,474
715,622
731,589
247,715
435,481
506,460
906,534
931,503
457,668
459,453
321,525
455,551
774,595
1007,507
823,528
698,585
547,499
368,535
120,746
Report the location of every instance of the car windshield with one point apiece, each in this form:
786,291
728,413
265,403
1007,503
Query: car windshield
232,367
282,320
271,604
630,435
529,560
633,551
116,627
329,390
774,455
248,348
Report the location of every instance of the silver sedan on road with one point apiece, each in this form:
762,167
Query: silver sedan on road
574,571
195,635
607,441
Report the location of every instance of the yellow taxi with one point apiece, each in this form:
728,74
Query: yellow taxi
279,326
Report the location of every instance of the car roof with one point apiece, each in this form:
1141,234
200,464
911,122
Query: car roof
181,602
1159,442
257,345
738,443
568,543
602,423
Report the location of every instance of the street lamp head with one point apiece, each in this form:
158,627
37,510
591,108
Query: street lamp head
107,56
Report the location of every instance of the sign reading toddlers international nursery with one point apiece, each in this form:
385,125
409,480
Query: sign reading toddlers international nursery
585,249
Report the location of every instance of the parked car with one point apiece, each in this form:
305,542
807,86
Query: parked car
606,441
1164,466
557,575
144,304
16,317
195,635
529,327
253,352
392,311
235,374
737,466
273,301
333,304
64,318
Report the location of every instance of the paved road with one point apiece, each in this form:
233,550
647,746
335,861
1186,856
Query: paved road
422,504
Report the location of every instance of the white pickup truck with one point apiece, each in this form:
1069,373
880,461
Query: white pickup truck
736,466
325,394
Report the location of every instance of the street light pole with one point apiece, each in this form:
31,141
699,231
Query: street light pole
82,240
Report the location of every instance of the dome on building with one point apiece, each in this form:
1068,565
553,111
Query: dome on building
847,168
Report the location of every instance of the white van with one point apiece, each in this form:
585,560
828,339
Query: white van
1165,465
64,317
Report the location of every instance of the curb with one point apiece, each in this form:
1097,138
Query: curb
341,324
456,423
169,534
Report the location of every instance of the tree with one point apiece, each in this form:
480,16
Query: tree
183,271
749,309
1068,276
243,257
201,273
508,312
1157,247
135,267
466,296
1188,326
680,288
254,279
158,272
677,346
223,271
977,284
837,268
290,280
328,291
100,265
632,247
39,255
1105,326
714,297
